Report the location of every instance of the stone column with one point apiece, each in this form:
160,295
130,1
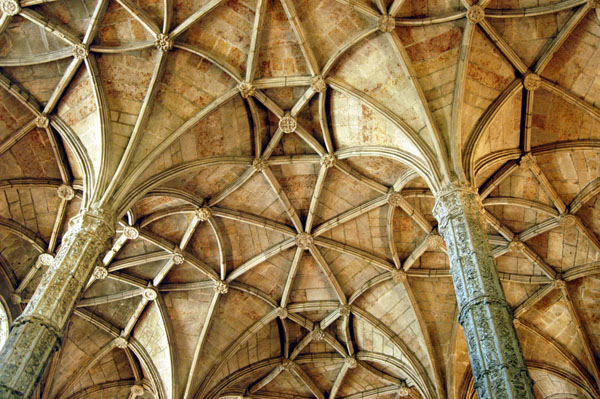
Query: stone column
494,351
37,332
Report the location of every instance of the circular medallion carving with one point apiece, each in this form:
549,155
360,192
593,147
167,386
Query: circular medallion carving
318,84
150,293
531,81
476,14
204,213
386,23
395,199
282,313
304,240
259,164
80,51
567,221
399,276
247,90
10,7
163,42
177,256
131,233
221,287
121,342
288,124
65,192
317,333
100,272
42,122
328,160
516,245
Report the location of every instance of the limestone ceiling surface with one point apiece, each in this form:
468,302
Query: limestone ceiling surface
274,165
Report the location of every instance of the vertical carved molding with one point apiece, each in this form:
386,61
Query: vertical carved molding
496,357
37,332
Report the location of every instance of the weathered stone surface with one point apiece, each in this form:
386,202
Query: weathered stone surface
37,332
494,350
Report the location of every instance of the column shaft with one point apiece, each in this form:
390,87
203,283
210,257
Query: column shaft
496,357
37,332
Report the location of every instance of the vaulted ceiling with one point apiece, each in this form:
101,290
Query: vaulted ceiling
273,164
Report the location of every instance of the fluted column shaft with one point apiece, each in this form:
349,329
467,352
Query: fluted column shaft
496,357
38,331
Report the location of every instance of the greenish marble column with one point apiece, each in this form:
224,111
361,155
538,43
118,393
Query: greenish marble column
38,331
496,357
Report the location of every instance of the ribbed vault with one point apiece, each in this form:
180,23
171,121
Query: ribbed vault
274,163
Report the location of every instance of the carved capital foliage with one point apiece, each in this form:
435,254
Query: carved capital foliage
44,260
496,357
